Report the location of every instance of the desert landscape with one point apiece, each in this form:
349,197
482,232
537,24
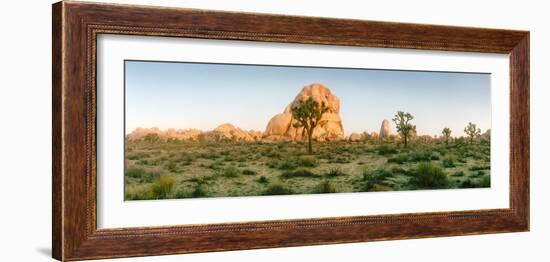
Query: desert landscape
303,150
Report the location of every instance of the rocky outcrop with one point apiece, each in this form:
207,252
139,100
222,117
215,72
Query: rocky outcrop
354,137
224,132
281,126
180,134
385,130
229,132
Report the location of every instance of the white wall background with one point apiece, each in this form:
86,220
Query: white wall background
25,147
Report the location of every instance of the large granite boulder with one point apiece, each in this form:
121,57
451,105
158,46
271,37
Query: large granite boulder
281,126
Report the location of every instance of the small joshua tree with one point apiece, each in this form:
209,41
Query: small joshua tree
472,131
447,134
307,114
404,127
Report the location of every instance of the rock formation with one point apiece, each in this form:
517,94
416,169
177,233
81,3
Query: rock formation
232,133
354,137
385,129
181,134
224,132
330,128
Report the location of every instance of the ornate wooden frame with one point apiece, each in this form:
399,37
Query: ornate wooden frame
76,26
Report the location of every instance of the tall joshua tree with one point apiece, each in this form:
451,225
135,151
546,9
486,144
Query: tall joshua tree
447,134
404,127
472,131
307,114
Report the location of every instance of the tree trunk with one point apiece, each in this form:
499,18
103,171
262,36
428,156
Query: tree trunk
405,140
309,149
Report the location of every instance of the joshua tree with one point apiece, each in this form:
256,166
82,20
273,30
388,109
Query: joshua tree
472,131
447,134
307,114
404,128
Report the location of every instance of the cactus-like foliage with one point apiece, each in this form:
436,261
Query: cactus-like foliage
404,127
308,113
472,131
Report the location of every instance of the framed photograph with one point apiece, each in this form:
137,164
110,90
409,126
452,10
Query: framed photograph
182,130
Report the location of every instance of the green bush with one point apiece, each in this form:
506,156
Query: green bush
420,156
458,173
400,159
249,172
326,187
162,188
477,168
230,171
298,173
386,150
307,161
375,177
262,180
448,163
198,191
429,176
277,189
485,181
334,172
134,172
141,174
172,167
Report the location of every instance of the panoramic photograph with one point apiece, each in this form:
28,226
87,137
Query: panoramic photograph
199,130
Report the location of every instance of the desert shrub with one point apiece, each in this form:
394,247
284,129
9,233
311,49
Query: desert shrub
217,165
141,174
307,161
287,165
172,167
229,158
138,155
249,172
420,156
334,172
400,159
429,175
458,173
478,173
136,193
448,162
262,180
485,181
298,173
340,160
468,183
198,191
277,189
400,170
326,187
373,177
230,171
162,188
135,172
272,164
386,150
477,168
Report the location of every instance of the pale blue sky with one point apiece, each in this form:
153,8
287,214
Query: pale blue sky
203,96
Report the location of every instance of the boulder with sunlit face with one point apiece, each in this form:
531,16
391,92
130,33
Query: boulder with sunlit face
329,128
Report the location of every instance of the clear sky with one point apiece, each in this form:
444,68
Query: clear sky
203,96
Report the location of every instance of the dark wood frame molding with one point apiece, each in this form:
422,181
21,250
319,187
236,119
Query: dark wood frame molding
75,28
